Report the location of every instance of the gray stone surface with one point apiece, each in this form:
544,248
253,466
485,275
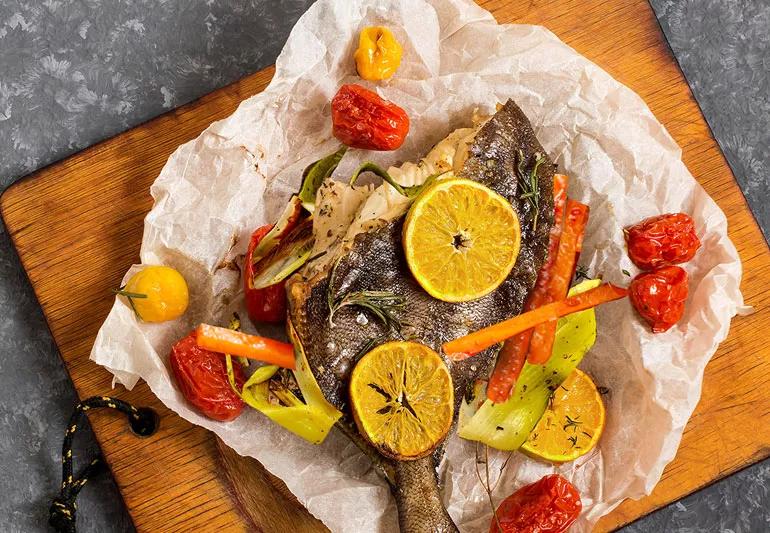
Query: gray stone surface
73,72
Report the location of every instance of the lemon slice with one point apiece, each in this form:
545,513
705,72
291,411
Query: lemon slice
402,399
572,424
461,239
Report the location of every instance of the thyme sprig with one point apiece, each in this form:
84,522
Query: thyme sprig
581,272
487,486
572,423
382,304
529,182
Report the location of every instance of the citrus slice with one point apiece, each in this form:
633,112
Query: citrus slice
402,399
572,424
461,239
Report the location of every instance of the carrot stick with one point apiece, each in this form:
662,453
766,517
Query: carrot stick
511,358
232,342
541,344
482,339
510,361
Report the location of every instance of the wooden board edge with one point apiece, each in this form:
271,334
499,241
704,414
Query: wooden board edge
8,196
720,150
236,468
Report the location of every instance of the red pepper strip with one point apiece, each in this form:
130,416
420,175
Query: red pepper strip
224,340
482,339
511,358
571,243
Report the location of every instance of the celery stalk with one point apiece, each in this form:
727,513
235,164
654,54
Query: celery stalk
312,419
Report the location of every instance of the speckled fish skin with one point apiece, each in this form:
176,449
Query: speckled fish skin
376,261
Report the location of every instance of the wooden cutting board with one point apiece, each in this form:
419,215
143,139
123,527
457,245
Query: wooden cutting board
77,226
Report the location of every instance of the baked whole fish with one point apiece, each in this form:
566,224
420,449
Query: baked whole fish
373,260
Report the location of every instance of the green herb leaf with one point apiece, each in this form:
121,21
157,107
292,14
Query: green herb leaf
315,174
382,304
626,272
530,184
409,192
581,272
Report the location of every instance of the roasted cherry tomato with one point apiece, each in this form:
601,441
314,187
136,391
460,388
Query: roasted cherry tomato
659,296
361,119
550,505
268,304
202,377
156,293
661,241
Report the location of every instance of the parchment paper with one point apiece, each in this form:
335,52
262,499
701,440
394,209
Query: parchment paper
238,174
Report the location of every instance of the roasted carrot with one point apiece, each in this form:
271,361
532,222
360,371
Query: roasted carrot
232,342
510,361
482,339
571,242
511,358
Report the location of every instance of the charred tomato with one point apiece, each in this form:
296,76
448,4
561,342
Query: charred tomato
662,241
202,377
550,505
361,119
659,296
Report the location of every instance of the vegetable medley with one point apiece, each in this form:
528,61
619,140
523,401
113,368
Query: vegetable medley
523,405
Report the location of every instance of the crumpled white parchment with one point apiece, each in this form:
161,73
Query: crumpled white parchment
238,174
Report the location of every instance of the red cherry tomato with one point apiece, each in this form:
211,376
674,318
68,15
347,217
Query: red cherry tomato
361,119
661,241
659,296
268,304
202,377
550,505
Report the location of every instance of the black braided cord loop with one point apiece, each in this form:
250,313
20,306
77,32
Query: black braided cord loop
63,510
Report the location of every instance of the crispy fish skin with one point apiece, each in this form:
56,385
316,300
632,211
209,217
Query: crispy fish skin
375,261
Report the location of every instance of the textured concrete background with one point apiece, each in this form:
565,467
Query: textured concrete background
73,72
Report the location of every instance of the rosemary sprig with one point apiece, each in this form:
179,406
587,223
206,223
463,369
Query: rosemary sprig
382,304
529,182
130,297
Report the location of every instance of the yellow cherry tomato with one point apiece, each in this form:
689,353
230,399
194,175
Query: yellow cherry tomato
157,293
378,55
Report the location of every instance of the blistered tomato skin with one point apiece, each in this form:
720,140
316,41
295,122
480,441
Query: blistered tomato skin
659,296
361,119
201,375
268,304
550,505
662,241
